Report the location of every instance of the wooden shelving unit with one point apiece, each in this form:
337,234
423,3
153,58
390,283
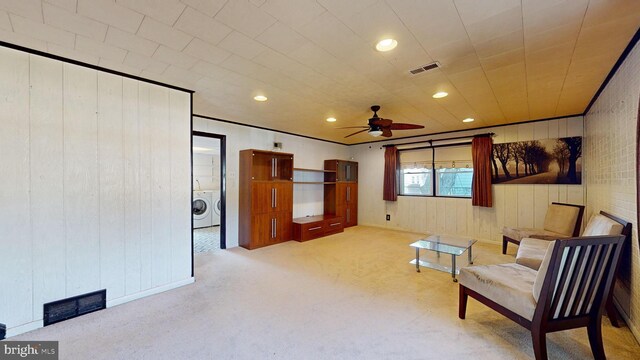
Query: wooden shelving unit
321,179
311,227
314,182
314,170
341,197
266,198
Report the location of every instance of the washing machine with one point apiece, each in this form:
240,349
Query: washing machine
215,215
202,209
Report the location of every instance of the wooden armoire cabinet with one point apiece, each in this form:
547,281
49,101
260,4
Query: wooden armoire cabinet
266,198
341,198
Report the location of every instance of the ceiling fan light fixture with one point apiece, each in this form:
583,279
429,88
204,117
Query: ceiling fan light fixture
260,98
440,94
331,119
386,45
468,120
375,133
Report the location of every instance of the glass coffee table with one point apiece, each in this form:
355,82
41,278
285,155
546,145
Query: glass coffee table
443,244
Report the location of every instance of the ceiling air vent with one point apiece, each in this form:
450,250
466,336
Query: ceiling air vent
424,68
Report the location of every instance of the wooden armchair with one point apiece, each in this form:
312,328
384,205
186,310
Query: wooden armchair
561,220
568,291
532,250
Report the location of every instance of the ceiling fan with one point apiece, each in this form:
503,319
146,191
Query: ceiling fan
379,126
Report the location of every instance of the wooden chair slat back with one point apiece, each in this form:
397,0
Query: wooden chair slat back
580,276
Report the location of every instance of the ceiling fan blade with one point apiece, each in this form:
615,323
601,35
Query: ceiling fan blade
380,122
358,132
401,126
353,127
386,132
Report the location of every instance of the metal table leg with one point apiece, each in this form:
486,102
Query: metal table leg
470,255
418,259
453,268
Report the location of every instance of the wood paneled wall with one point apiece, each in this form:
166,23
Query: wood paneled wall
94,186
514,205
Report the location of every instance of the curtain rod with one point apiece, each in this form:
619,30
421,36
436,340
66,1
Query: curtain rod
443,139
435,146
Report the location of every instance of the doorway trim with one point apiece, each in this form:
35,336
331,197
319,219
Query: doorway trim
223,189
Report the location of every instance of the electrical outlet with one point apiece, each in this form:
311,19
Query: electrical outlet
388,217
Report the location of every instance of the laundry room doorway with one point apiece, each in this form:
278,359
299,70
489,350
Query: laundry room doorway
209,190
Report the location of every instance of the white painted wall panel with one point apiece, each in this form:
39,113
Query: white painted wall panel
206,171
47,151
81,200
432,216
86,156
146,124
111,174
180,119
132,188
552,129
15,221
501,210
541,196
160,185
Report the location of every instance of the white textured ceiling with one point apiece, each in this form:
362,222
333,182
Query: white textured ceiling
503,61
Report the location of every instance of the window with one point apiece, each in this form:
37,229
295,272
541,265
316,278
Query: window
454,182
416,181
416,172
451,167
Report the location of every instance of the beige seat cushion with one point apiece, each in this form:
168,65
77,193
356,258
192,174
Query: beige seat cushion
521,233
531,252
542,271
561,219
510,285
602,225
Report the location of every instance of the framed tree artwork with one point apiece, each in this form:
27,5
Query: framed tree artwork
548,161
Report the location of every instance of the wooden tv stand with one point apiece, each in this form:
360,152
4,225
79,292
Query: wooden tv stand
312,227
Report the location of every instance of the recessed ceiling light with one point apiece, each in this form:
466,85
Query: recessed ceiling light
260,98
331,119
440,95
386,45
468,120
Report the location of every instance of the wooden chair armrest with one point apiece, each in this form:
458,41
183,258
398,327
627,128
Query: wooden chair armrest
548,237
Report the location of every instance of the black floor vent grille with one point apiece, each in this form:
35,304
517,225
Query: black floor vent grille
64,309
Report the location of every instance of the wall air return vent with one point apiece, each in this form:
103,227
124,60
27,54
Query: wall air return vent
424,68
64,309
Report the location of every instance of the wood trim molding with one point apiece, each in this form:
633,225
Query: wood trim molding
614,70
90,66
267,129
223,182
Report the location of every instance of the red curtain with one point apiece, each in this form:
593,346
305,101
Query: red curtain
481,147
390,192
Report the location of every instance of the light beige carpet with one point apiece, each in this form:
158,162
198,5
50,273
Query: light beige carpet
349,296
